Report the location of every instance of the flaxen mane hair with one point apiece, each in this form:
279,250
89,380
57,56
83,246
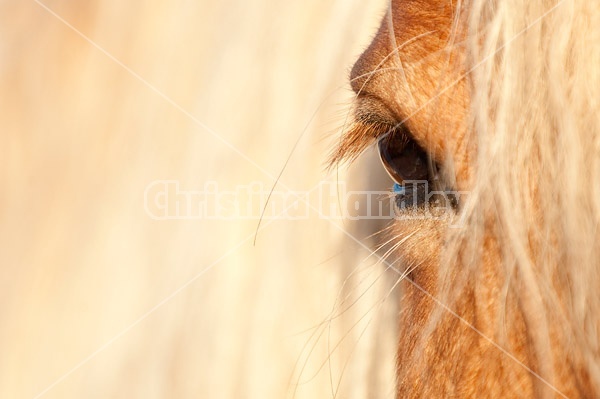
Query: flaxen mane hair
536,124
535,193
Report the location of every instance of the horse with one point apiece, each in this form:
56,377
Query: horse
491,99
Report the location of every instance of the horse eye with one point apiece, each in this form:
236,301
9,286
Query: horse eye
402,158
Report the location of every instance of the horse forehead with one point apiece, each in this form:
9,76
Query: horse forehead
411,30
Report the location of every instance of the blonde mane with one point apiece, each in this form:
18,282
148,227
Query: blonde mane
533,203
536,122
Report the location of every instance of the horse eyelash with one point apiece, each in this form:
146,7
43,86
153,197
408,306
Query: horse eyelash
364,132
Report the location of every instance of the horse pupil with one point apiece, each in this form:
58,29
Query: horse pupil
403,158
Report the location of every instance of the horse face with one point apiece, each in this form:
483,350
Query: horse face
413,96
411,90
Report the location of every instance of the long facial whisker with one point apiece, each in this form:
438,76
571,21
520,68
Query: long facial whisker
377,304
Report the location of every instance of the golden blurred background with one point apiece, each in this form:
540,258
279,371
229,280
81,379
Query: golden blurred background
102,99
